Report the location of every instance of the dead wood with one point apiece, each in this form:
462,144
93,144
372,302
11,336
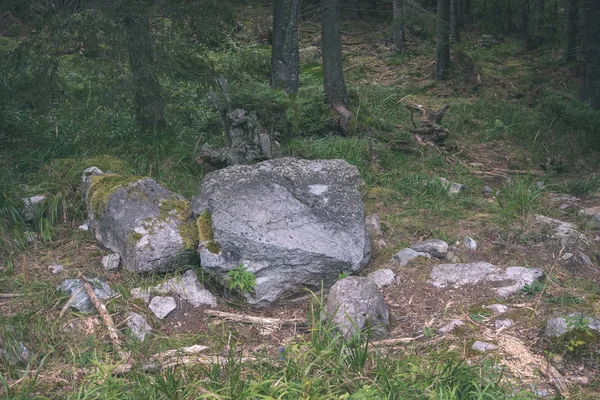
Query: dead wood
251,319
9,295
106,318
395,341
428,129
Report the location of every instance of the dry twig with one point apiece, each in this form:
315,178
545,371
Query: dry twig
250,319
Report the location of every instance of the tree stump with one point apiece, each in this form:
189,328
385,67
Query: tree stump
428,130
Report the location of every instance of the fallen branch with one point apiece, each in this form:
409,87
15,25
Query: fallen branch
393,342
106,318
9,295
250,319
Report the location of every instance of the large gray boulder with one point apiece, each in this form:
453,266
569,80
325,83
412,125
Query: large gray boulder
355,304
293,223
149,226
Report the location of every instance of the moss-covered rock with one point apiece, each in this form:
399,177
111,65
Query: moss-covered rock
205,232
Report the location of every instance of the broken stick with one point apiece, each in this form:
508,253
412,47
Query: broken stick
106,318
250,319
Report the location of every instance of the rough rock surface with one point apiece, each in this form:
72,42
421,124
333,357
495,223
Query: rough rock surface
15,355
382,277
161,306
355,303
594,215
140,293
470,243
558,326
56,268
31,207
565,233
450,326
147,224
374,225
483,346
111,261
188,288
497,308
138,325
436,248
457,275
293,223
82,301
503,323
405,256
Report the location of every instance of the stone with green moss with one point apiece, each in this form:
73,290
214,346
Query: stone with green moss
205,232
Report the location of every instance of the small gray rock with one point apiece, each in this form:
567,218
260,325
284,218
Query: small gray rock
84,227
436,248
483,346
355,303
188,288
497,308
138,325
139,293
111,261
503,323
487,190
594,214
373,225
450,326
82,301
56,268
382,277
470,243
405,256
453,188
558,326
565,233
162,306
17,354
31,207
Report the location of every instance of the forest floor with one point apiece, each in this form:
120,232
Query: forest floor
512,123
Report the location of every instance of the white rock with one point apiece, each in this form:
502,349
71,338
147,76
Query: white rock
56,268
111,261
450,326
382,277
405,256
373,225
436,248
188,288
84,227
138,325
139,293
503,323
498,308
31,207
470,243
483,346
162,306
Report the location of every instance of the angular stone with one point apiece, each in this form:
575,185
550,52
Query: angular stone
565,233
373,225
382,277
138,325
503,323
84,227
483,346
450,326
458,275
436,248
162,306
453,188
405,256
188,288
82,302
31,207
17,354
497,308
355,303
293,223
558,326
139,293
470,243
111,261
147,224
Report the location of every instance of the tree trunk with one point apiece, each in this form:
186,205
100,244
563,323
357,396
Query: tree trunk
284,57
149,104
454,21
333,71
398,26
460,5
466,11
590,51
571,11
538,22
442,47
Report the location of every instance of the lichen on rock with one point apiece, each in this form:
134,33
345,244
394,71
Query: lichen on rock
205,232
102,186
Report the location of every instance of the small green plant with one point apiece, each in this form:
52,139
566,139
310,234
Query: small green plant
519,197
342,275
565,300
429,332
532,289
239,278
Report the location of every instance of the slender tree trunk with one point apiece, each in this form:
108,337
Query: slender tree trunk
454,21
442,47
284,57
333,69
590,51
538,22
571,12
398,26
466,11
148,101
460,5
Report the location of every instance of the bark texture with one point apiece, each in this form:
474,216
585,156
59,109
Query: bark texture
454,20
571,12
333,69
442,48
398,26
284,57
148,101
590,51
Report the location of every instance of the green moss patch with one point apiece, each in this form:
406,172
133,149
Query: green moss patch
180,207
68,170
205,232
102,186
